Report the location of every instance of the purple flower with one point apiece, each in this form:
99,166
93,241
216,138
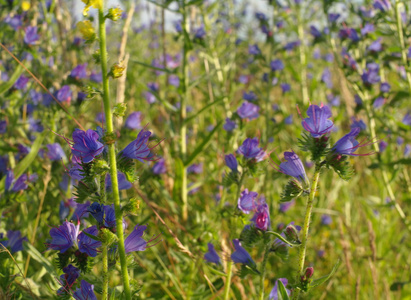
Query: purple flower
368,28
246,202
229,125
274,291
71,273
254,50
81,211
15,21
285,206
153,86
31,36
292,167
135,242
407,150
385,87
35,125
317,122
251,96
64,94
123,183
333,17
350,33
248,111
211,256
240,255
291,45
18,185
133,121
326,220
14,241
76,172
382,145
96,210
371,75
379,102
195,168
358,124
261,16
63,237
347,145
3,126
86,145
261,218
200,32
174,80
55,152
382,5
249,149
159,167
79,72
375,46
407,119
138,149
85,292
244,79
96,77
315,32
88,245
326,78
64,209
21,83
285,87
231,162
277,65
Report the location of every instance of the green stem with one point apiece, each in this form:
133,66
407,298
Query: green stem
183,113
303,56
104,295
112,153
263,269
306,227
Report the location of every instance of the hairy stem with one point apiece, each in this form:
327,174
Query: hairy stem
112,152
263,269
304,235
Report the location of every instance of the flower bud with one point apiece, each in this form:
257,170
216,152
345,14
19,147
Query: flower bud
291,233
117,70
114,14
231,162
87,31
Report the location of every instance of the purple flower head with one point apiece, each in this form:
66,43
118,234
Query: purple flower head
285,87
21,83
31,36
254,50
382,145
64,94
174,80
349,33
347,145
123,183
15,21
244,79
333,17
407,150
358,124
231,162
153,86
407,119
379,102
246,202
261,218
71,273
133,121
229,125
15,185
240,255
35,125
79,72
285,206
80,211
159,167
375,46
55,152
64,209
86,145
261,16
315,32
277,65
96,77
14,241
139,149
326,220
292,45
85,292
195,168
326,78
200,32
382,5
371,75
96,210
333,100
249,149
88,245
368,28
251,96
400,141
248,111
211,256
274,291
385,87
292,167
63,237
3,126
317,122
135,242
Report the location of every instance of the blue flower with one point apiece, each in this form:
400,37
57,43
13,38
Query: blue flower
63,237
231,162
246,202
96,210
211,256
195,168
229,125
86,145
317,122
71,273
159,167
133,121
250,150
88,245
55,152
21,83
14,241
240,255
382,5
274,291
254,50
135,242
79,72
251,96
64,94
248,111
123,183
261,218
85,292
31,36
277,65
138,149
385,87
371,75
292,167
347,145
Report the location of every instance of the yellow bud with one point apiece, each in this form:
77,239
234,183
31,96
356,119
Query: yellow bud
91,3
25,5
86,29
117,70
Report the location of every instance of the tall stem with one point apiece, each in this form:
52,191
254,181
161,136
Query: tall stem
183,114
303,56
306,227
112,152
104,295
263,269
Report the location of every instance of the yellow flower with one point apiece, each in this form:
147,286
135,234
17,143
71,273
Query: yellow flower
91,3
86,29
25,5
117,70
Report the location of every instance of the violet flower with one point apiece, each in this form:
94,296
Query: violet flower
135,242
317,122
88,245
14,241
31,36
248,111
274,291
79,72
240,255
211,256
347,145
55,152
231,162
292,167
85,292
250,150
139,149
246,202
159,167
86,145
229,125
261,218
63,237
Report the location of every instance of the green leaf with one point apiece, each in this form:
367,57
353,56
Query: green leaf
93,237
37,256
195,116
217,272
281,291
321,280
283,239
7,85
203,145
152,67
178,183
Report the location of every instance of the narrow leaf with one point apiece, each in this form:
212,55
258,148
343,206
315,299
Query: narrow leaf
321,280
281,291
7,85
283,239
